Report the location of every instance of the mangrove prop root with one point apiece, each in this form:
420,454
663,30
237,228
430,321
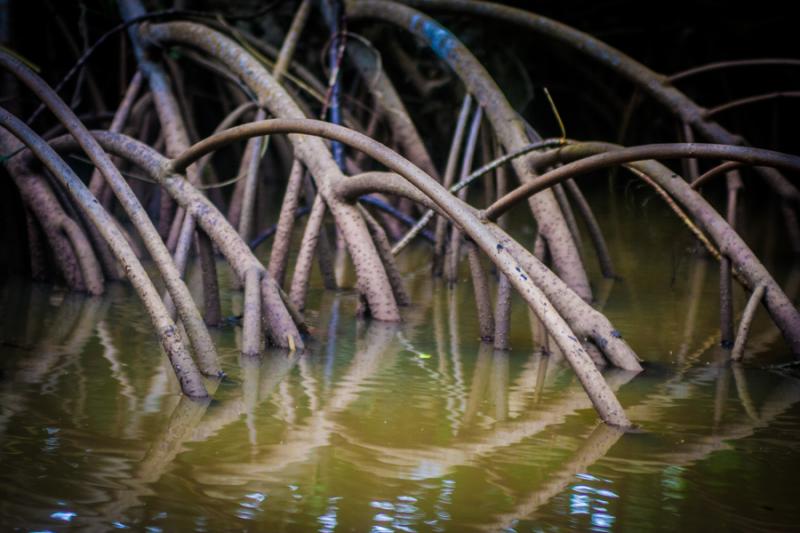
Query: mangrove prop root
449,175
486,237
190,316
305,257
212,314
210,219
454,251
251,327
373,281
385,251
583,157
595,233
188,375
504,119
483,298
283,231
744,323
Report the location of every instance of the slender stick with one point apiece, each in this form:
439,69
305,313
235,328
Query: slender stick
722,168
385,251
569,216
734,184
751,100
618,156
212,314
237,196
181,256
178,221
247,214
681,214
502,314
483,298
502,306
283,231
719,65
259,145
449,176
454,252
595,233
121,115
305,257
413,232
744,323
251,327
368,62
165,206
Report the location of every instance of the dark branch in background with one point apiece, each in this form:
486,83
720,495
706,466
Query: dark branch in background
399,215
270,231
751,100
720,65
752,156
333,10
157,15
716,171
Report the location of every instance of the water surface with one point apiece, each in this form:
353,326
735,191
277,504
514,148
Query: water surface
410,427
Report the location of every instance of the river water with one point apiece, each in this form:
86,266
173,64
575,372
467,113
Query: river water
410,427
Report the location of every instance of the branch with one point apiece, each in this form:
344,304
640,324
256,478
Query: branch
744,154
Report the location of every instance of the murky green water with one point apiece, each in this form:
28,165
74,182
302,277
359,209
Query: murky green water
414,427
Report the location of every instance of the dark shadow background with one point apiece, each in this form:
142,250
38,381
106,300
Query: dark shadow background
666,36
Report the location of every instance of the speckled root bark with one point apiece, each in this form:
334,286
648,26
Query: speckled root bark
188,375
71,249
373,281
433,194
190,316
278,318
505,121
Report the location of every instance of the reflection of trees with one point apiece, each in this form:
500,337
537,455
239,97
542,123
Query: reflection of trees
163,450
780,398
593,448
299,441
510,418
434,461
486,406
267,373
53,341
597,445
260,379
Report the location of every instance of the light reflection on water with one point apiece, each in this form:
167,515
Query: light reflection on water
411,427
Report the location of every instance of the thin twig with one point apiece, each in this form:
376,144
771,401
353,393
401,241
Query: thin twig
165,14
751,100
732,64
485,169
744,323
